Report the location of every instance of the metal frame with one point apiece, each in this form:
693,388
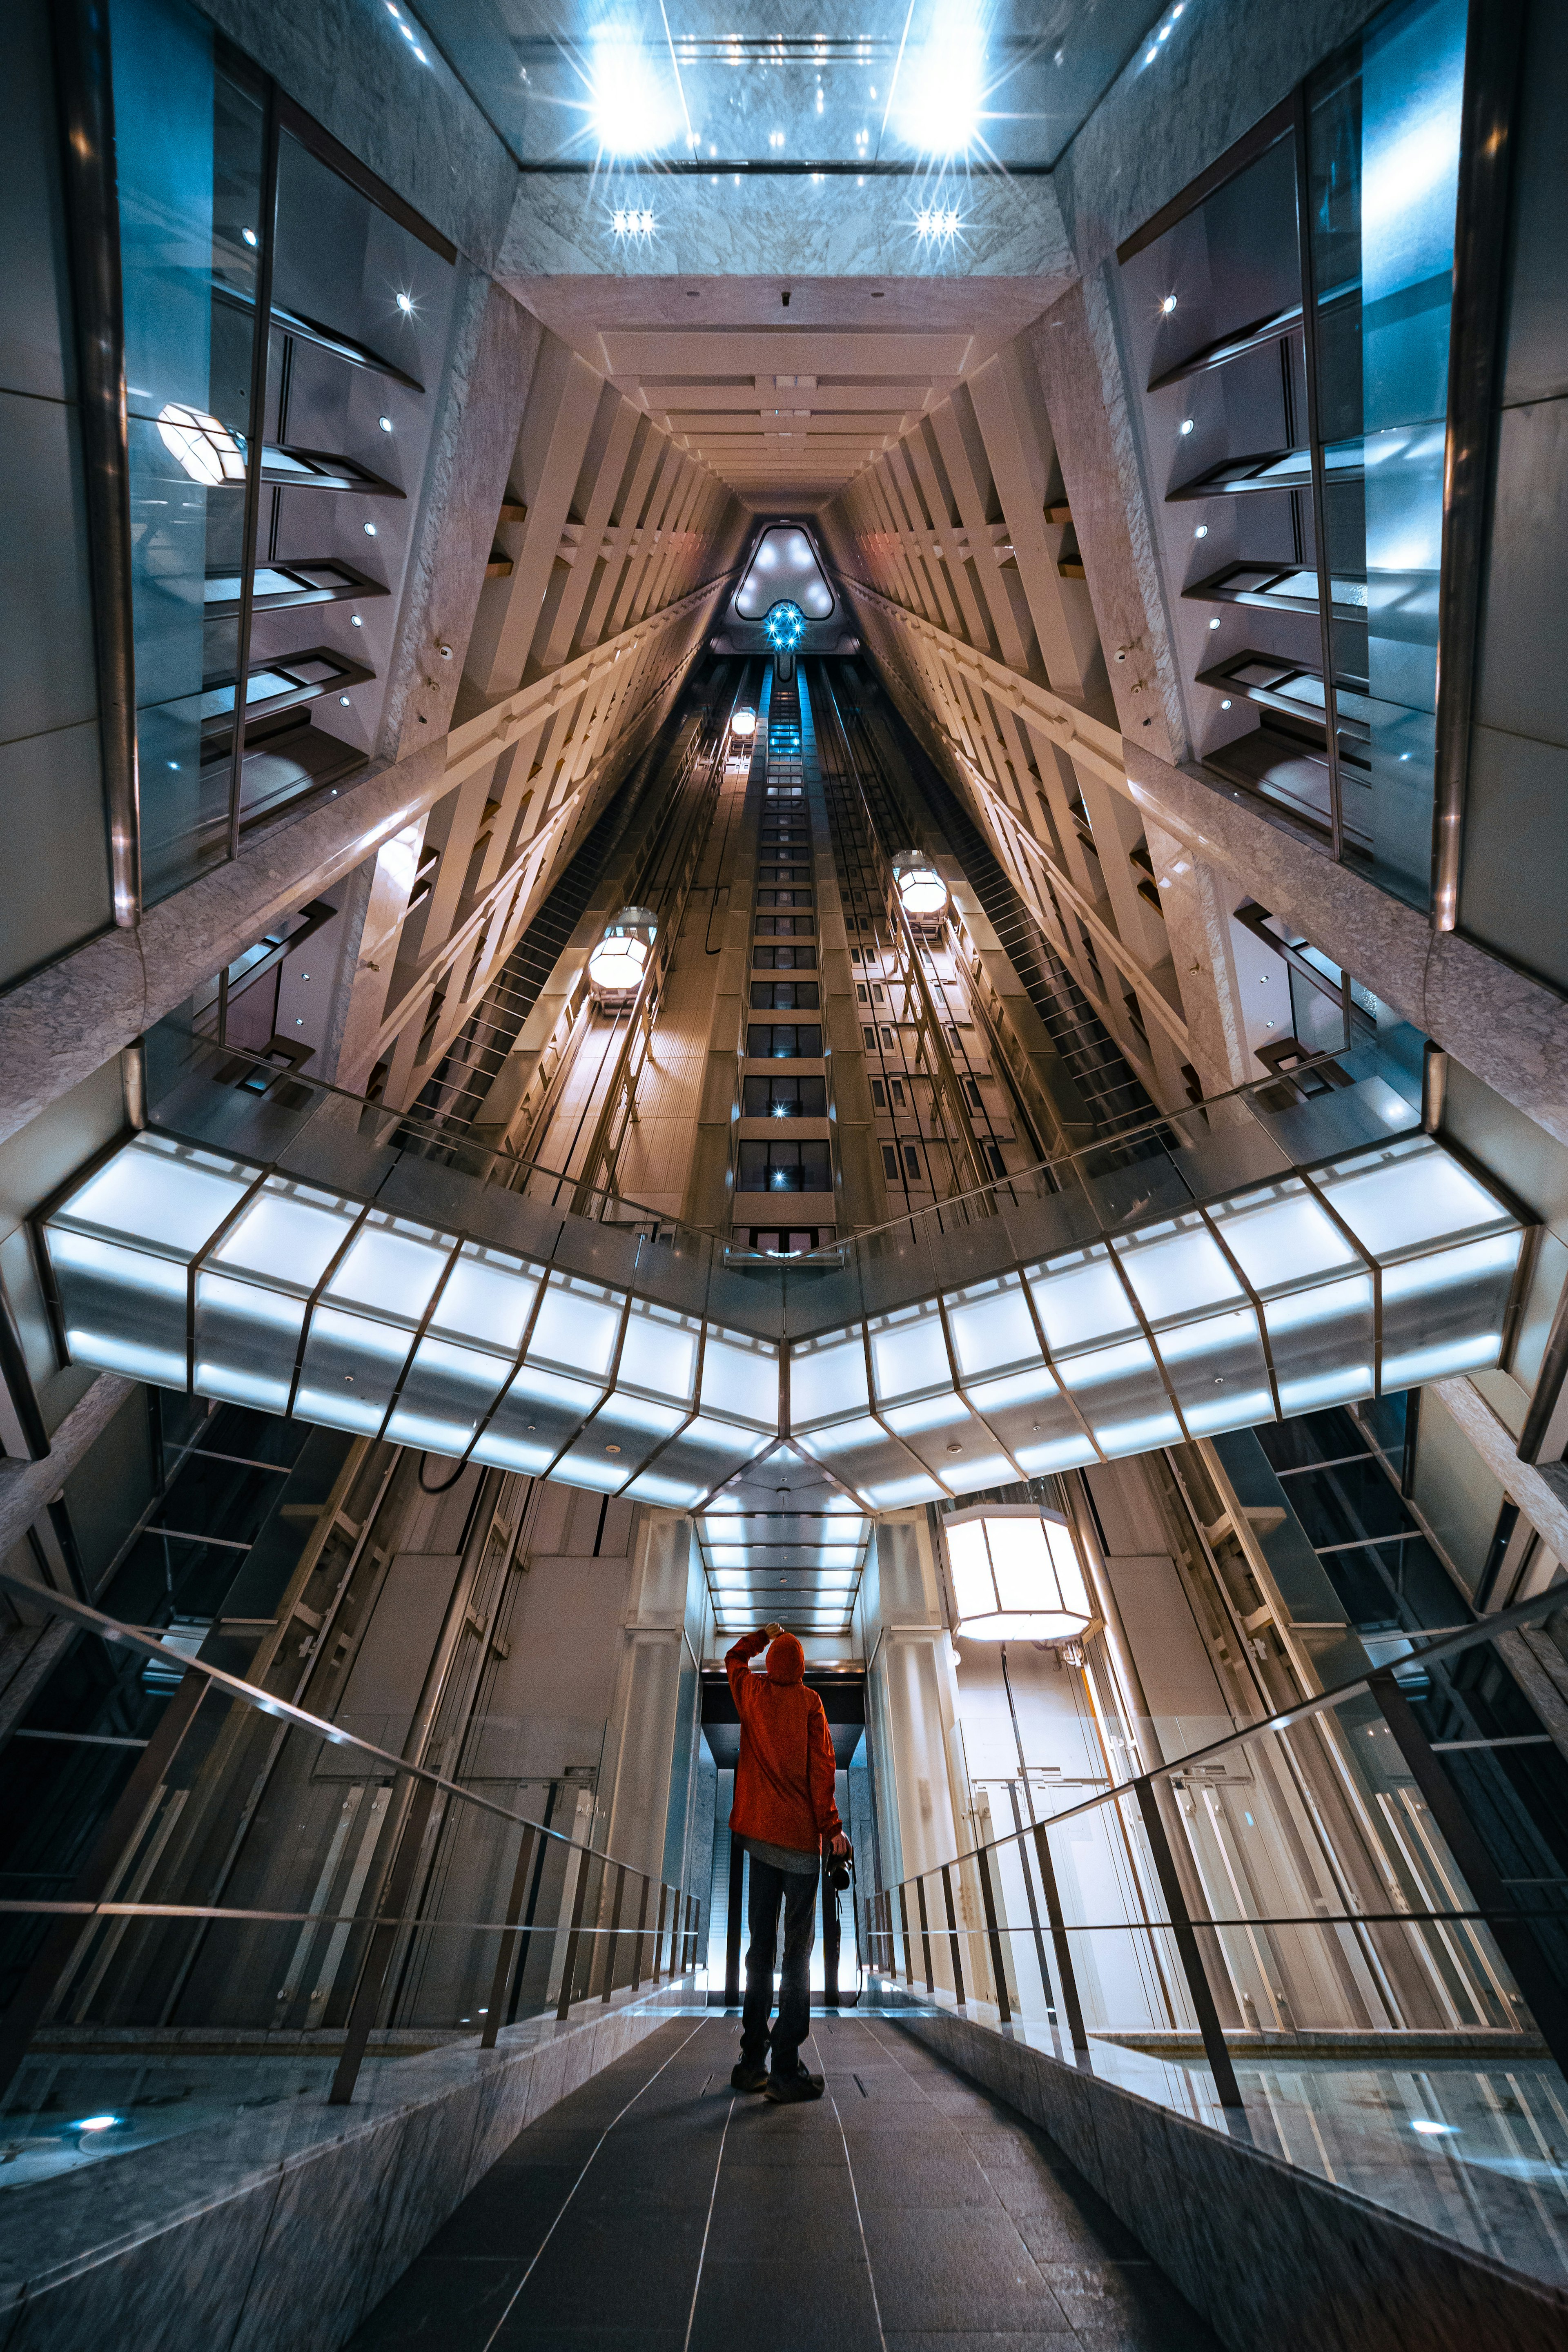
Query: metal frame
86,105
1494,43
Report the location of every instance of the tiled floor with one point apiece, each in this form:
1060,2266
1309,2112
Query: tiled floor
907,2212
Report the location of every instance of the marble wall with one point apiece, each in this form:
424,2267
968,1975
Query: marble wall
279,2234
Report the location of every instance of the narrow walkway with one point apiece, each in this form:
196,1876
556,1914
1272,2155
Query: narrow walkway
907,2212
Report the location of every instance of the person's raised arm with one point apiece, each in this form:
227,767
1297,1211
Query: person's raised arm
737,1661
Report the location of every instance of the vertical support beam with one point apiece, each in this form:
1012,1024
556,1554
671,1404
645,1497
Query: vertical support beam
99,1874
925,1935
732,1923
908,1952
574,1937
614,1931
993,1937
1515,1938
86,100
1199,1990
500,1987
641,1934
260,353
1494,43
952,1936
1063,1951
382,1945
658,1934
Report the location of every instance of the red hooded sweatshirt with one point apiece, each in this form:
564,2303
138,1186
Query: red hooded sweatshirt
783,1784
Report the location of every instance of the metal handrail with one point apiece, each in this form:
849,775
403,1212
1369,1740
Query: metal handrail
199,1678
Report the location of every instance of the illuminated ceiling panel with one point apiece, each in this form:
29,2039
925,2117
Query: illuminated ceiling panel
783,569
192,1269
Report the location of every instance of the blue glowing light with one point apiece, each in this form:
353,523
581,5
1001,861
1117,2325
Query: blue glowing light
785,627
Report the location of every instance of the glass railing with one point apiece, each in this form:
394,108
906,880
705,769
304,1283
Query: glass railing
270,1921
1328,1934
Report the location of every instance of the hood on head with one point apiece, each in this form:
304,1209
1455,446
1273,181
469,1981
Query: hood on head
786,1659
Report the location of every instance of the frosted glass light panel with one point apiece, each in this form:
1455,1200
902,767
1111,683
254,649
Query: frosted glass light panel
1016,1575
1316,1290
120,1248
1448,1253
191,1269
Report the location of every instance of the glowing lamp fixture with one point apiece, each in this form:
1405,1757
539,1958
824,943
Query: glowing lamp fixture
744,723
205,449
923,893
1016,1576
785,627
616,966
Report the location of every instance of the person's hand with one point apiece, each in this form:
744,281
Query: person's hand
839,1847
772,1632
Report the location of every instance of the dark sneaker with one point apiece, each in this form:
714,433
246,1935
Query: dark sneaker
749,2074
789,2090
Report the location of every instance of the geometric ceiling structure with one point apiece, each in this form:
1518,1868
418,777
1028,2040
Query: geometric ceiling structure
550,1345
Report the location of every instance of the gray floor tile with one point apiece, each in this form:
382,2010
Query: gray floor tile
920,2180
1132,2308
980,2340
783,2307
957,2270
507,2215
439,2306
615,2270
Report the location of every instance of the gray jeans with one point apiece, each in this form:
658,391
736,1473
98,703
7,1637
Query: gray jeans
796,1890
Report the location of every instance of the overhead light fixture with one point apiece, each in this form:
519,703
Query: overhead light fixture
936,99
1016,1575
616,966
923,893
785,627
743,722
631,106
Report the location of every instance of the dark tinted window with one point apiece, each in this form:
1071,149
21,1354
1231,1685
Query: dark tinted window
783,997
784,1041
781,1098
783,959
770,1167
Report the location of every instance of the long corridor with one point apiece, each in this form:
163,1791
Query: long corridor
906,2211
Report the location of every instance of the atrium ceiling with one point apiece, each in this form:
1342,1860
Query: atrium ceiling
785,245
887,85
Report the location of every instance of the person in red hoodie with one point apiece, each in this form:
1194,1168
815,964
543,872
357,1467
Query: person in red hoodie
784,1810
